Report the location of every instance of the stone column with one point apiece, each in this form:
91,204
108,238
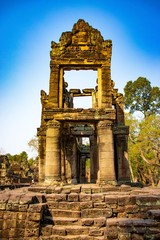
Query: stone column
42,143
63,167
53,161
93,159
41,133
106,152
122,156
74,162
54,86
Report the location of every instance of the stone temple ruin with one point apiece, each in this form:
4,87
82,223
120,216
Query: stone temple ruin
81,211
62,154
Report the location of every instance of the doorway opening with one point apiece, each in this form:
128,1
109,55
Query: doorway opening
83,144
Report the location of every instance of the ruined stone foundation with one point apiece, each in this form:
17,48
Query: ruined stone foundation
77,212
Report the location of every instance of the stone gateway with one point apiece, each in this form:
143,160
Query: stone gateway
62,153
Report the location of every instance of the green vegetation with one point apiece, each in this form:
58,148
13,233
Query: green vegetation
144,137
140,96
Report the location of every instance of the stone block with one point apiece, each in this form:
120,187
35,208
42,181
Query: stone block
65,221
3,205
96,213
100,222
99,205
120,209
126,200
9,215
124,236
65,213
137,237
95,232
46,230
122,215
111,232
75,206
85,189
60,197
21,224
12,207
77,230
87,221
21,215
131,208
97,197
144,222
73,197
37,208
86,205
75,189
52,205
148,200
58,189
85,197
23,208
31,232
58,231
111,199
34,216
32,224
109,189
66,190
18,233
95,189
8,223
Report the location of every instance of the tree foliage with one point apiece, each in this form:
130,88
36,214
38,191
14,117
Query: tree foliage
144,148
33,144
141,96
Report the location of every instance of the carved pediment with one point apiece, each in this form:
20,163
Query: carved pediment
82,37
82,34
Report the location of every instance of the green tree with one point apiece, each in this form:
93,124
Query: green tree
144,148
140,96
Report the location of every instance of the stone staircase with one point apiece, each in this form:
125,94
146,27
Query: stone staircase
101,213
67,217
80,212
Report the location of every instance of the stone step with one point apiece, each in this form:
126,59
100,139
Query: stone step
65,221
65,213
76,230
71,232
71,237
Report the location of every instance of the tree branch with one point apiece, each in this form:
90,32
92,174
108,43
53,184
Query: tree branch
144,159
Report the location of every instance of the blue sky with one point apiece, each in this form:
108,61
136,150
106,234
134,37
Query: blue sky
27,28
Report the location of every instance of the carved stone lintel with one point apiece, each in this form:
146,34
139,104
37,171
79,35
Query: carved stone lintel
104,124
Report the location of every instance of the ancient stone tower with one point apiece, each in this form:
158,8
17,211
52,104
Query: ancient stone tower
62,154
